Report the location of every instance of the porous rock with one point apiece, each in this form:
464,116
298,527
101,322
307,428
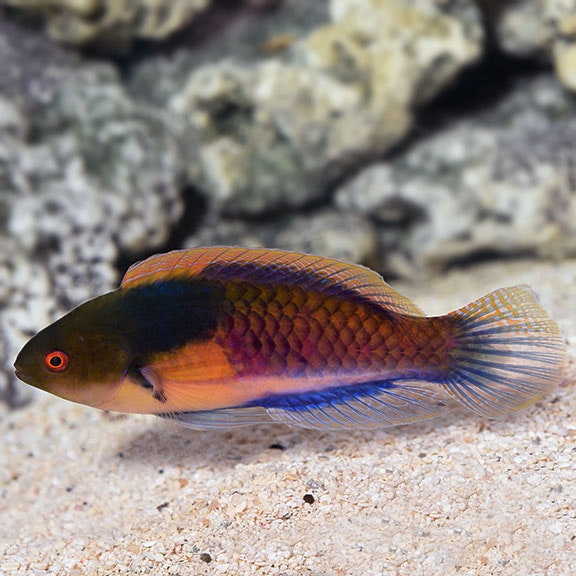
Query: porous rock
113,24
498,184
276,133
332,233
249,32
84,174
540,27
349,237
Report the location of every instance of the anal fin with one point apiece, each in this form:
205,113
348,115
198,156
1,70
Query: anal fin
370,405
218,419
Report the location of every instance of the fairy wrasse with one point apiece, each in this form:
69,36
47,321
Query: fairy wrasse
221,337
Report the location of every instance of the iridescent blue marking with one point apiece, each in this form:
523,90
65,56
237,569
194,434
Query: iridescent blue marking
321,398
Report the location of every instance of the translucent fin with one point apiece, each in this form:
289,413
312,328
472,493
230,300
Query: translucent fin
278,266
218,419
508,352
336,408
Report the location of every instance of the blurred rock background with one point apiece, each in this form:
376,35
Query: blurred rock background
411,136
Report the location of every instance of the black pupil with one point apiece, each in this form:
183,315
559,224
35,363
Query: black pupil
55,361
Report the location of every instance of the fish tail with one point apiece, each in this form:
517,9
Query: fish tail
508,352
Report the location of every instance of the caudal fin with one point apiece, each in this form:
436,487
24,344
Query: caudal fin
508,352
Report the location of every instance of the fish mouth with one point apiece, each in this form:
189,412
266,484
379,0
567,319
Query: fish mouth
24,377
21,373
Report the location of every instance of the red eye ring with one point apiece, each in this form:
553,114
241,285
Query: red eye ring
56,361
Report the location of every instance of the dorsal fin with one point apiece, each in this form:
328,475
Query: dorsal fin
260,266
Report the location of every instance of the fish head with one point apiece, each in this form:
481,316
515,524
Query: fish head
81,357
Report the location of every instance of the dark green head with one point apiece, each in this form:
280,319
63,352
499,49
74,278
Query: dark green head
82,357
87,355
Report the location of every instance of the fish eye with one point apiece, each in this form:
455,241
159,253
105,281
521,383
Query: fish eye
56,361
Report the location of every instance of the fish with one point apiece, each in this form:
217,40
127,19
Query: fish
222,337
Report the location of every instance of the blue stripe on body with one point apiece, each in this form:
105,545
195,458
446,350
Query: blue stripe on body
322,398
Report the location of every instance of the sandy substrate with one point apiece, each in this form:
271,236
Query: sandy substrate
84,492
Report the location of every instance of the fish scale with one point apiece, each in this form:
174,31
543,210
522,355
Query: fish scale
331,334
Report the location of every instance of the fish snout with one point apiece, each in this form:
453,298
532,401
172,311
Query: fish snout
21,375
21,372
